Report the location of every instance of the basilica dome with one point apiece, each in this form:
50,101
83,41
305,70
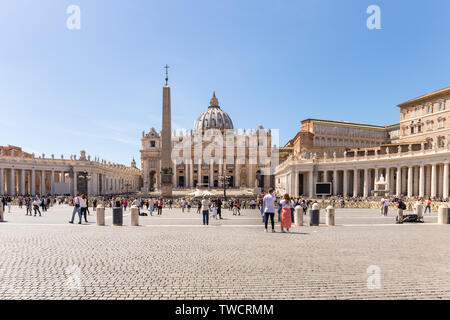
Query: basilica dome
213,117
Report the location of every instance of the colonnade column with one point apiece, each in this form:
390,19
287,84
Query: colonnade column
410,181
433,180
355,182
421,181
296,184
311,183
22,182
335,182
12,182
388,179
52,191
42,182
2,181
366,183
399,181
446,181
345,185
33,182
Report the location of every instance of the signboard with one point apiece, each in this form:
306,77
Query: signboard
323,189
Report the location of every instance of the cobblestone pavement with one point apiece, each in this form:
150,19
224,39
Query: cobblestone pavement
174,256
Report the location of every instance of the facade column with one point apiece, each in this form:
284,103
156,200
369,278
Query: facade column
174,176
12,183
237,178
445,191
211,173
199,172
345,183
335,182
355,182
22,182
404,181
296,185
421,181
399,181
325,176
186,175
2,181
433,180
311,183
366,183
191,174
410,181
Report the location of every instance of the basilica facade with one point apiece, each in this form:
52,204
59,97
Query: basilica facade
213,151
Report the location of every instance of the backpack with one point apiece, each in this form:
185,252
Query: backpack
403,206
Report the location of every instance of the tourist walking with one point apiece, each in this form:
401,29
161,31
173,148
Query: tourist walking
160,206
428,206
385,207
76,208
268,205
400,207
199,206
286,206
36,204
219,208
83,207
8,203
205,210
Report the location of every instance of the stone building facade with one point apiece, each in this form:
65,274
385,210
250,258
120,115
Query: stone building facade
245,167
22,173
412,157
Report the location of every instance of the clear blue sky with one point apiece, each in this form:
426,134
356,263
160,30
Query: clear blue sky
271,62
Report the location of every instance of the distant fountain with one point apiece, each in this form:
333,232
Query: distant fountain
380,187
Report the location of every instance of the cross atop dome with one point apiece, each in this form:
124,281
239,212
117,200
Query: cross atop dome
214,102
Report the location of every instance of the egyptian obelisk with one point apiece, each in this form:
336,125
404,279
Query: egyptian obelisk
166,137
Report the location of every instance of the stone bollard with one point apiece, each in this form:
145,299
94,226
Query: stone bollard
117,213
1,213
329,219
134,216
443,215
100,215
314,217
298,216
419,210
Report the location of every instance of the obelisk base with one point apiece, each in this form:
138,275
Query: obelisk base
166,185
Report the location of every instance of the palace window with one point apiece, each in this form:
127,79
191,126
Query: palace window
442,106
419,128
441,123
430,109
152,144
429,126
412,129
153,164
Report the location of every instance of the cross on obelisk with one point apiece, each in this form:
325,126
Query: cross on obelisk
167,74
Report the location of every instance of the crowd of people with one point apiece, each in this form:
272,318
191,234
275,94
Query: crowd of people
268,204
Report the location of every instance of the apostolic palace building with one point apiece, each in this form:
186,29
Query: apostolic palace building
411,157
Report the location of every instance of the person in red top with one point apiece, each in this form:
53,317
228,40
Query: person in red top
428,206
160,205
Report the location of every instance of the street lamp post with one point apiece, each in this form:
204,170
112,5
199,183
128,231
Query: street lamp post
225,180
127,185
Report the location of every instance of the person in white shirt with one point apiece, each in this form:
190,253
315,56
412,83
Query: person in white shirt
205,210
269,209
83,207
36,204
385,207
76,208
